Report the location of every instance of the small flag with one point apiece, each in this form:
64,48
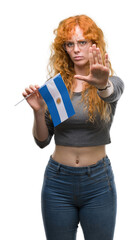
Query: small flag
56,96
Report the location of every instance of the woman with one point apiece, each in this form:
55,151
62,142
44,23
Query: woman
79,182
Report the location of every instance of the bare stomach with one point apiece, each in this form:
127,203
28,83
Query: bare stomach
78,156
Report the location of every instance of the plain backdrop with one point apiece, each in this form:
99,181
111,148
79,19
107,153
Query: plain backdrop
26,29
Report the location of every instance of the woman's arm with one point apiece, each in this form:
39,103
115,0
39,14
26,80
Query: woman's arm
40,128
114,92
43,128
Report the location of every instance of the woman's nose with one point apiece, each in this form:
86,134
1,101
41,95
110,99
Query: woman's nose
76,48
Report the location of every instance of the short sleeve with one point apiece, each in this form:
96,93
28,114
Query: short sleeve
118,85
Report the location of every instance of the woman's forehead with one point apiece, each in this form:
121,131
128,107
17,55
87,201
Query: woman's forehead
75,34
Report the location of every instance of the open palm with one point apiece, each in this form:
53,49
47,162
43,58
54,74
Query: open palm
99,73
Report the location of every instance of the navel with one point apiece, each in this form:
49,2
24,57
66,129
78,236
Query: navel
77,160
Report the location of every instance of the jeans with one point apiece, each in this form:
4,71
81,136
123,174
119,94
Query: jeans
79,194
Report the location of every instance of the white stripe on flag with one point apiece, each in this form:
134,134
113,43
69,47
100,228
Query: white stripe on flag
55,94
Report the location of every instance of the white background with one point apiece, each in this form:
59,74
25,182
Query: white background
26,33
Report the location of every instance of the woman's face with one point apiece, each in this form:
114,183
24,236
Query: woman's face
77,48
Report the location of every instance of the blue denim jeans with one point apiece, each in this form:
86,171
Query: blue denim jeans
79,194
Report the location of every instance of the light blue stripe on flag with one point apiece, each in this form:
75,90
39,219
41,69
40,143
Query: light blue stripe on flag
56,96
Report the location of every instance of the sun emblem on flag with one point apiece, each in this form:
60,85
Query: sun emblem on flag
58,100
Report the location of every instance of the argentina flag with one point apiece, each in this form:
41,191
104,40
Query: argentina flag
56,96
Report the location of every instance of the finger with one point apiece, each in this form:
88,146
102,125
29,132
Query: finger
94,45
37,92
80,77
106,60
24,94
99,56
91,59
94,54
33,88
37,86
28,90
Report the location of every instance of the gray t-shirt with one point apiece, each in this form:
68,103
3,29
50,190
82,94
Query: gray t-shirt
77,131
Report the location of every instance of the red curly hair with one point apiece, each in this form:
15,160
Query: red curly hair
60,62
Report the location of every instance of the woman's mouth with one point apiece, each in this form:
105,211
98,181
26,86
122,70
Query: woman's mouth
78,58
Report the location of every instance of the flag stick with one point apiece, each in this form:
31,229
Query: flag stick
24,98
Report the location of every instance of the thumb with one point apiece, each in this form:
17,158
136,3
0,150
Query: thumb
80,77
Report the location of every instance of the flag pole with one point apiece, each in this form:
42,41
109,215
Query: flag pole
25,98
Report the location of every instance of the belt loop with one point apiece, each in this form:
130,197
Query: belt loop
58,168
89,172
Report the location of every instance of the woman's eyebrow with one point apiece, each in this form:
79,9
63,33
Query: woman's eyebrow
77,40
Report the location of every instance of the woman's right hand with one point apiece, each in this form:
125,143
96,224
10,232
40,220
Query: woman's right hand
35,100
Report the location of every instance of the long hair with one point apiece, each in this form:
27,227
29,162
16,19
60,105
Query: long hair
60,62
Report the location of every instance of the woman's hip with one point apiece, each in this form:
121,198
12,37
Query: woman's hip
79,184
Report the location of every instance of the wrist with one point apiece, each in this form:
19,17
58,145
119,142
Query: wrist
107,92
108,85
39,111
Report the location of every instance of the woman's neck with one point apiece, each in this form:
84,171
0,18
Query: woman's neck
79,70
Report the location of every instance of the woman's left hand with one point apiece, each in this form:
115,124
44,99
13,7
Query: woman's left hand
99,73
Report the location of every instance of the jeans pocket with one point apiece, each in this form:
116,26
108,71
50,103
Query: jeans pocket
98,175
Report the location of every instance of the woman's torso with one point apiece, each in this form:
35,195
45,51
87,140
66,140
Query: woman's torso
78,156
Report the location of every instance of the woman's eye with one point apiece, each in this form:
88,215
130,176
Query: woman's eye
70,44
82,42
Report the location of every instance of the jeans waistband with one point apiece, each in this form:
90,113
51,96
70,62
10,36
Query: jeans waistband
78,170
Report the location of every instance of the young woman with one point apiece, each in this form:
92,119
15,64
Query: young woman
79,184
